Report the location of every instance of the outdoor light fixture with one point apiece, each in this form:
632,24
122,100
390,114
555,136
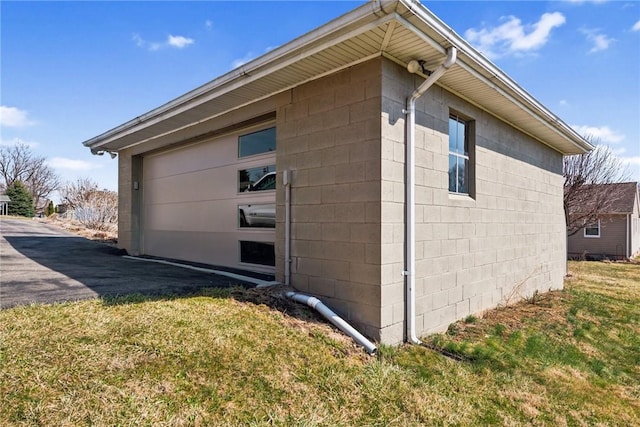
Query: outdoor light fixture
113,154
417,65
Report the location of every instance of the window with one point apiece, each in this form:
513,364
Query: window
258,215
257,179
261,253
262,141
459,155
592,229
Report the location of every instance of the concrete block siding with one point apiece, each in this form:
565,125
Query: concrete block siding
329,137
473,253
343,138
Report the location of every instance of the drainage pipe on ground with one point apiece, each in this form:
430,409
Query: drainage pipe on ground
410,237
332,317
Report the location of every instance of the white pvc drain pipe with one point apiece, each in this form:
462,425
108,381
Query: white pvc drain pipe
332,317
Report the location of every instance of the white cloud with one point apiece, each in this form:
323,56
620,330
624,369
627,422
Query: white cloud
563,102
602,134
71,164
600,41
636,26
13,117
208,24
178,42
514,37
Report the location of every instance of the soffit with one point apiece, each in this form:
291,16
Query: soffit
401,36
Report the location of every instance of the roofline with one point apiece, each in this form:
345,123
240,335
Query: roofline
376,11
270,58
467,49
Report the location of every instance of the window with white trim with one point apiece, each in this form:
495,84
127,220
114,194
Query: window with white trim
592,229
460,155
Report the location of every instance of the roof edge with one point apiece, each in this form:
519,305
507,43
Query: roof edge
374,9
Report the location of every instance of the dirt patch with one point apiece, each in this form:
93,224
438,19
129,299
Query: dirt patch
549,307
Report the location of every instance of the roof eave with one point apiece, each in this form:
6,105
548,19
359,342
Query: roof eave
366,14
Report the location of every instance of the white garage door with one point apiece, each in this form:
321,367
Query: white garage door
213,202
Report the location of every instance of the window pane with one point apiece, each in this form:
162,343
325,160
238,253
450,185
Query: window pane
257,253
262,141
463,180
464,140
452,173
257,215
457,136
257,179
460,138
453,130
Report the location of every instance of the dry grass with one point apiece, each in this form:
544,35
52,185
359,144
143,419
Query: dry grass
109,235
234,357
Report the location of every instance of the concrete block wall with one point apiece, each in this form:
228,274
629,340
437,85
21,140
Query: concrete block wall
129,171
473,253
328,134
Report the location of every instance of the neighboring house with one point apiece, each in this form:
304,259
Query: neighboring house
41,208
401,216
616,233
4,204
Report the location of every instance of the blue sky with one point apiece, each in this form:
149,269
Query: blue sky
72,70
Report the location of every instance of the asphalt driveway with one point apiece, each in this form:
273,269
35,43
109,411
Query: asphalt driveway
43,264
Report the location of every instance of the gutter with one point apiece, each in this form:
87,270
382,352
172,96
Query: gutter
410,233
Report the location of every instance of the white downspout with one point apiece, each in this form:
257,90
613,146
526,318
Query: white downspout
627,248
287,226
338,321
410,237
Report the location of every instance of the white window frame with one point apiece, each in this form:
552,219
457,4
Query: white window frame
590,225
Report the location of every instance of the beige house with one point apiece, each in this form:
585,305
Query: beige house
415,182
616,233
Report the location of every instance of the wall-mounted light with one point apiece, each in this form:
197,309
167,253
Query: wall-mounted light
418,65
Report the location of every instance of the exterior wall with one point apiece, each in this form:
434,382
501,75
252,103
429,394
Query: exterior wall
329,137
612,242
473,253
129,172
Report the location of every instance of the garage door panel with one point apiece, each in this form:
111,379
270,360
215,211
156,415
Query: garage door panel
210,184
221,249
191,206
201,156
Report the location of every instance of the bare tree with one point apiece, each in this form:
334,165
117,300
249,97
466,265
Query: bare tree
93,208
19,163
585,196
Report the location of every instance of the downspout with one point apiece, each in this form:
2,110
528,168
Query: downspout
627,248
410,233
287,226
332,317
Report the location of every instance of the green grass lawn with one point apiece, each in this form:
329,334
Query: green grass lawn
563,358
